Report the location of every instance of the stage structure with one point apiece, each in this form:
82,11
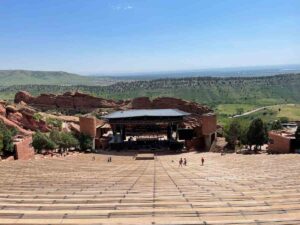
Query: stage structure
147,129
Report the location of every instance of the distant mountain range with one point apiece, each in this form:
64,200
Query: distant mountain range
24,77
250,71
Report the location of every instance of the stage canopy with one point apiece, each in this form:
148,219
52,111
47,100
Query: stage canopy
146,113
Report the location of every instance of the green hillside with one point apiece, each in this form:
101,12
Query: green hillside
213,91
26,77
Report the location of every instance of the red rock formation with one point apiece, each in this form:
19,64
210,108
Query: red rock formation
11,124
26,121
68,100
186,106
79,100
141,103
169,103
2,110
47,100
23,96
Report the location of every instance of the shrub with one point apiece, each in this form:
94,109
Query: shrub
37,117
54,122
63,140
284,119
85,141
6,139
276,125
42,142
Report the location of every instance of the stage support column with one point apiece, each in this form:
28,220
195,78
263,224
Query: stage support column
176,132
123,132
169,132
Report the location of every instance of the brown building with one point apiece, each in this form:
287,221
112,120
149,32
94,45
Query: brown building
152,128
96,129
283,141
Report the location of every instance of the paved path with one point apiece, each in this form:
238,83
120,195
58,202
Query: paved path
256,110
230,189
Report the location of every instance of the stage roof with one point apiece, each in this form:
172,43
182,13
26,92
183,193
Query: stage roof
146,113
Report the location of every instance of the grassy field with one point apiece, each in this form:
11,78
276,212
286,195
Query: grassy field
291,111
232,109
269,114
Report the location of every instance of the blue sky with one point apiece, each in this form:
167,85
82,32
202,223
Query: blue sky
87,36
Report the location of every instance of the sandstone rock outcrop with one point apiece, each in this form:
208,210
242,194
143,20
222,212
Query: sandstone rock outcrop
2,110
21,117
67,100
24,119
11,124
23,96
141,103
79,101
169,103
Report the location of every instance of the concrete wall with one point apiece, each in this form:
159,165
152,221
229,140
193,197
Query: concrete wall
24,150
278,143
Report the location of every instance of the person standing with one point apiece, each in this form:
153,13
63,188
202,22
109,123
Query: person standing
180,162
202,161
184,162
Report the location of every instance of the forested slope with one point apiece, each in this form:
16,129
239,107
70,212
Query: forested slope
209,90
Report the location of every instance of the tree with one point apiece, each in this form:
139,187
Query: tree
56,137
85,141
6,139
68,140
284,119
42,142
64,140
276,125
1,143
297,133
233,133
256,134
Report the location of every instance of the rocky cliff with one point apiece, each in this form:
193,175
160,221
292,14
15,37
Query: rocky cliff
67,100
81,101
169,103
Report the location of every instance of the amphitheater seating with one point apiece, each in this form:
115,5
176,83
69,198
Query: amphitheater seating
230,189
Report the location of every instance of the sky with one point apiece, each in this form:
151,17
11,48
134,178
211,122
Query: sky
110,36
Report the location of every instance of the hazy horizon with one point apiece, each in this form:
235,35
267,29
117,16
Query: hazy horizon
273,69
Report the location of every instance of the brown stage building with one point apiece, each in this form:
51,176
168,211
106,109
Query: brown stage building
151,129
